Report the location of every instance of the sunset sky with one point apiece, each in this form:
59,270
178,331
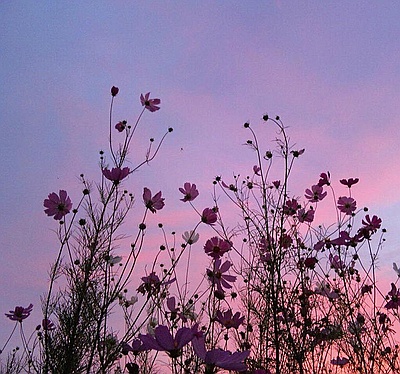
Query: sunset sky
329,69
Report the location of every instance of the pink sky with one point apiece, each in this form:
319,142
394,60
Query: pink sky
330,70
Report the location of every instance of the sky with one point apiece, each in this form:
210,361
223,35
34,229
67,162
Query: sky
330,70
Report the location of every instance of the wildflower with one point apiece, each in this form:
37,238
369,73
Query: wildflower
135,347
367,288
346,205
164,341
324,289
218,357
190,192
19,313
112,260
256,170
310,262
121,126
152,284
394,301
116,174
114,91
153,203
190,237
47,325
304,216
349,182
127,303
336,262
228,319
290,207
297,153
324,179
150,104
315,194
216,247
372,224
276,184
340,361
217,276
209,216
57,205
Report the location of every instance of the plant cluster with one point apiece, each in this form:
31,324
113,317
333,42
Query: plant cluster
279,295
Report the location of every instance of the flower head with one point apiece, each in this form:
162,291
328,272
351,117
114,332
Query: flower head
150,104
349,182
152,284
47,325
190,237
217,276
121,126
290,207
164,341
116,174
209,216
19,313
153,203
216,247
373,223
304,216
346,205
189,191
256,170
315,194
394,301
228,319
114,91
324,179
57,205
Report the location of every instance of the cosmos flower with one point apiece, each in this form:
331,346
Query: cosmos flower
116,174
349,182
324,179
228,319
189,191
57,205
290,207
346,205
304,216
190,237
150,104
19,313
373,223
47,325
394,301
217,276
216,247
315,194
121,126
153,203
209,216
340,361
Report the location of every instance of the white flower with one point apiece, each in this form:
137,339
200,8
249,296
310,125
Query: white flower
190,237
132,301
153,323
396,269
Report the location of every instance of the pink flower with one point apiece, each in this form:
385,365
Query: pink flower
19,313
310,262
349,182
57,205
340,361
219,358
256,170
290,207
217,276
216,247
116,174
394,301
324,179
153,203
114,91
209,216
152,284
228,319
315,194
121,125
346,205
190,192
150,104
164,341
372,224
276,184
336,262
367,288
304,216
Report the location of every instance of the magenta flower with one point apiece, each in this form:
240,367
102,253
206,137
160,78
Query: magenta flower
228,319
366,288
276,184
324,179
217,276
310,262
340,361
152,284
19,313
209,216
216,247
304,216
219,358
256,170
116,174
150,104
47,325
121,126
190,192
114,91
290,207
394,301
373,223
336,262
57,205
346,205
349,182
164,341
153,203
315,194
